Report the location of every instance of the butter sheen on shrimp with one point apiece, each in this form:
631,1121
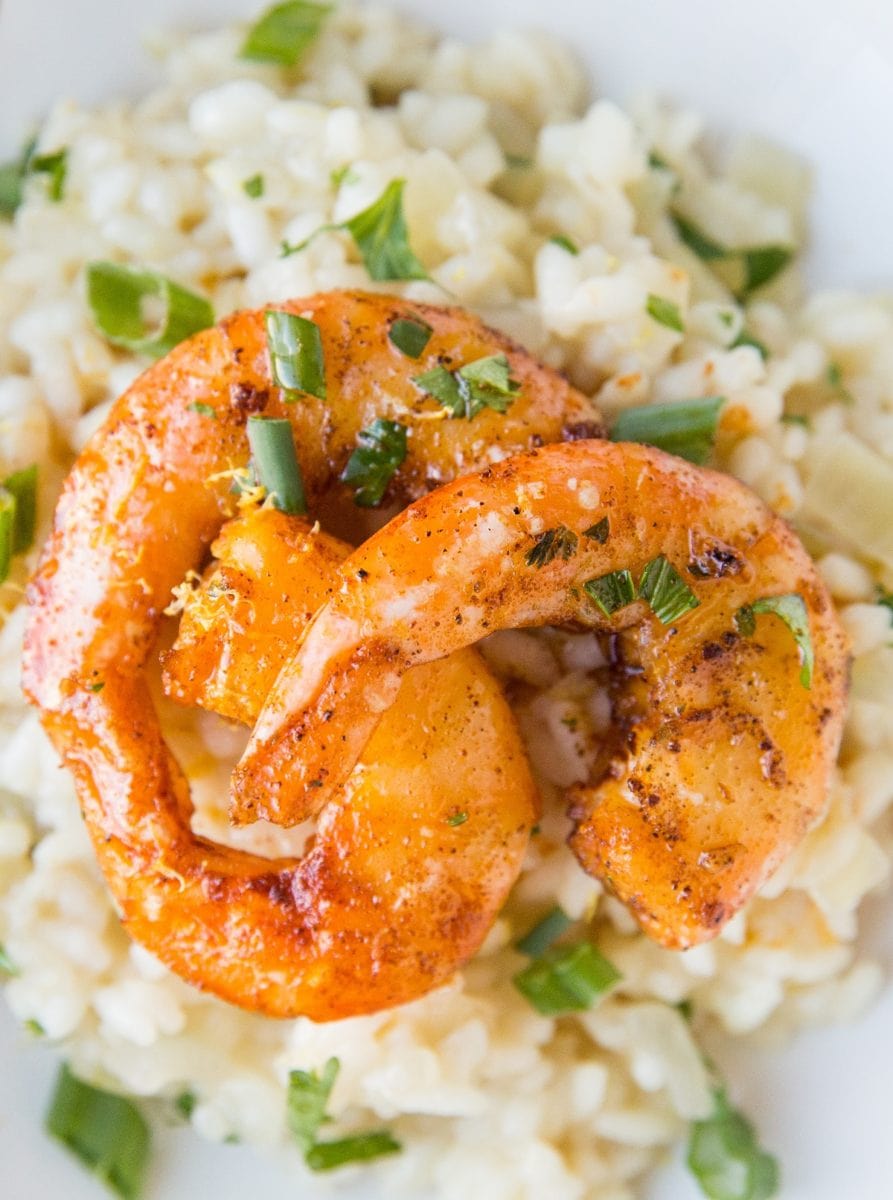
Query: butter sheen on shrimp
720,757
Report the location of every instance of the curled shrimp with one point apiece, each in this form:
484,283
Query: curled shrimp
141,506
720,758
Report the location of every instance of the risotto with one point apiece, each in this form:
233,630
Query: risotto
558,220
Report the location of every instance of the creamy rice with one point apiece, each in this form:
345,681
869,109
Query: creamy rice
487,1096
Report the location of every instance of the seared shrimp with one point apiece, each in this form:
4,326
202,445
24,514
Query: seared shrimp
138,511
410,862
722,755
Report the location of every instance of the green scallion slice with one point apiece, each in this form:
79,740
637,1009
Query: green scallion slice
756,265
371,467
7,966
790,608
612,591
308,1096
12,179
185,1104
284,33
105,1131
726,1159
598,532
566,243
116,296
538,940
559,542
568,979
667,593
296,354
762,264
55,167
686,428
697,241
275,462
410,335
665,312
254,187
22,485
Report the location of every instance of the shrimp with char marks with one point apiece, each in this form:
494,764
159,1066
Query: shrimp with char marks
720,757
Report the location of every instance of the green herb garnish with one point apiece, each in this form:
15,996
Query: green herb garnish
726,1158
343,174
665,312
116,296
484,383
795,419
12,179
369,470
105,1131
296,356
203,410
562,240
275,462
284,32
457,818
381,237
568,979
657,162
7,966
884,598
757,265
559,542
55,166
7,532
612,591
410,335
538,940
667,593
747,339
686,428
790,608
185,1104
598,532
308,1096
254,187
22,486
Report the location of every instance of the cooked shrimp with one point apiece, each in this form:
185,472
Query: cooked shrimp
138,511
721,756
411,861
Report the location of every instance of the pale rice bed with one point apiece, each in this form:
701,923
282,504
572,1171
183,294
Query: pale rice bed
488,1097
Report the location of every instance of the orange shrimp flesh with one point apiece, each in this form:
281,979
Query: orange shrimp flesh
721,757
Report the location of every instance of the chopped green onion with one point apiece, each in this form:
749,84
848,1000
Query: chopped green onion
552,543
35,1028
569,979
12,179
97,687
7,966
747,339
22,486
185,1104
56,167
254,187
657,162
7,532
726,1158
284,32
275,462
105,1131
484,383
361,1147
665,312
381,237
790,608
538,940
598,532
795,419
410,335
457,818
666,591
308,1095
371,467
296,355
612,591
116,295
204,410
758,264
686,428
562,240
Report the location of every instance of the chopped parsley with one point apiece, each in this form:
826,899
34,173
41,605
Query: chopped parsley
203,410
598,532
457,818
665,312
612,591
116,295
410,335
485,383
55,167
254,187
284,33
755,266
378,456
666,592
552,543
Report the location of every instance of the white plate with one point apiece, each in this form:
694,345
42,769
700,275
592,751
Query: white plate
813,73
